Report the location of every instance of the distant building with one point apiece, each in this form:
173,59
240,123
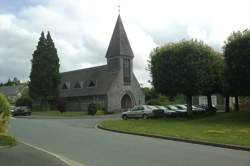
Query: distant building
114,86
13,92
217,100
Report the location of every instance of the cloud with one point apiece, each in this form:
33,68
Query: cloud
81,29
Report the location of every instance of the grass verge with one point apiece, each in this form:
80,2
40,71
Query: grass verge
6,140
57,113
226,128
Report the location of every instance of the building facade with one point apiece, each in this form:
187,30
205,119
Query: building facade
113,86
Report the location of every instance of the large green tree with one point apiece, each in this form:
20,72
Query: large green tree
44,76
237,64
182,68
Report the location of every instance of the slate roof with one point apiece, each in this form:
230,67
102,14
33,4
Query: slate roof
11,90
119,43
99,74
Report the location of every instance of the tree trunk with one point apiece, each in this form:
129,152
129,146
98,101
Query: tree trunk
236,104
209,102
227,108
189,105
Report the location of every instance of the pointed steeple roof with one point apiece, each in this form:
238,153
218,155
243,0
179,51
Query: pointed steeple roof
119,43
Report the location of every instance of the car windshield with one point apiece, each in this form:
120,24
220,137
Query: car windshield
182,106
161,107
172,107
151,107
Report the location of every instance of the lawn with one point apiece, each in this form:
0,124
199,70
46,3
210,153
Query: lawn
227,128
57,113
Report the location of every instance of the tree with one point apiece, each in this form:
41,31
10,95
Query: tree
44,76
150,93
212,75
180,68
237,64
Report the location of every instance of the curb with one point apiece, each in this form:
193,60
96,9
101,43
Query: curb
228,146
63,159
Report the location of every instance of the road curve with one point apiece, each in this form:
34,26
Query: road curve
79,140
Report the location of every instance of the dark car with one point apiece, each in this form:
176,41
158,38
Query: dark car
205,107
21,111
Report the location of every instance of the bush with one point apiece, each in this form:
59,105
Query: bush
61,105
4,106
92,109
24,101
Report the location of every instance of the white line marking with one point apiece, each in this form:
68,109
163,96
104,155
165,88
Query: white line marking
63,159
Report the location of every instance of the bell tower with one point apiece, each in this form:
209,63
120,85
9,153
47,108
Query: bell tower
119,54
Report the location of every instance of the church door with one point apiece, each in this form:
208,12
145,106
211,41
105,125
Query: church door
126,101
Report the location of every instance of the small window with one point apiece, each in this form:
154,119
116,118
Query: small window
66,85
78,84
92,84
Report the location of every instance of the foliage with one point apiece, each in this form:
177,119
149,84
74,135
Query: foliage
237,63
24,101
44,76
6,140
10,82
4,106
150,93
92,109
61,105
181,68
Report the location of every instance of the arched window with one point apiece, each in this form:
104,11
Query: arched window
126,72
78,84
66,85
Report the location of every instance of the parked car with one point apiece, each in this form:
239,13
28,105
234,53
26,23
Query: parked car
167,112
21,111
205,107
143,111
178,110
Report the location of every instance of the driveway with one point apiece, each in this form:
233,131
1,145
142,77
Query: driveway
79,140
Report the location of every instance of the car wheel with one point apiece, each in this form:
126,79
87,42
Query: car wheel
144,116
124,117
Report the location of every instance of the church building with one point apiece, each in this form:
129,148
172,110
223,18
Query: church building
113,86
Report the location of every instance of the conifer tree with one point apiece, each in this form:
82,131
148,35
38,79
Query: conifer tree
44,76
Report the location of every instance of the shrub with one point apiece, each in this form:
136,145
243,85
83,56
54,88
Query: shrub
92,109
61,105
4,106
24,101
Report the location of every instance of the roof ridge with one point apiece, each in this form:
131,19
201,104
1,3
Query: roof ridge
89,68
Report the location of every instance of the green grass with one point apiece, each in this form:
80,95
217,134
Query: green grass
57,113
226,128
6,140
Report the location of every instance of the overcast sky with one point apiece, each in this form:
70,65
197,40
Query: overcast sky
81,29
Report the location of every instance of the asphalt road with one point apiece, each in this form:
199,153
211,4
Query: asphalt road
80,141
23,155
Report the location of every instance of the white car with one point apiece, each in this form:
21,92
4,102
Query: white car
143,111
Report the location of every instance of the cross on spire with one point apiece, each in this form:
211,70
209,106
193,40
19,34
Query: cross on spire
119,7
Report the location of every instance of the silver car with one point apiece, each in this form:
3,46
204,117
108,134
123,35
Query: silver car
142,111
167,111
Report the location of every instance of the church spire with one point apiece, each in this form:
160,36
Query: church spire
119,44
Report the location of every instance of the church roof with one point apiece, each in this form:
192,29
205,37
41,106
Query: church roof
119,43
100,76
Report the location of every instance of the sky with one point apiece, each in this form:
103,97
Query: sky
82,29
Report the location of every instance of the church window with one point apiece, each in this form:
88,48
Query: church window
78,84
66,85
114,64
126,72
92,84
